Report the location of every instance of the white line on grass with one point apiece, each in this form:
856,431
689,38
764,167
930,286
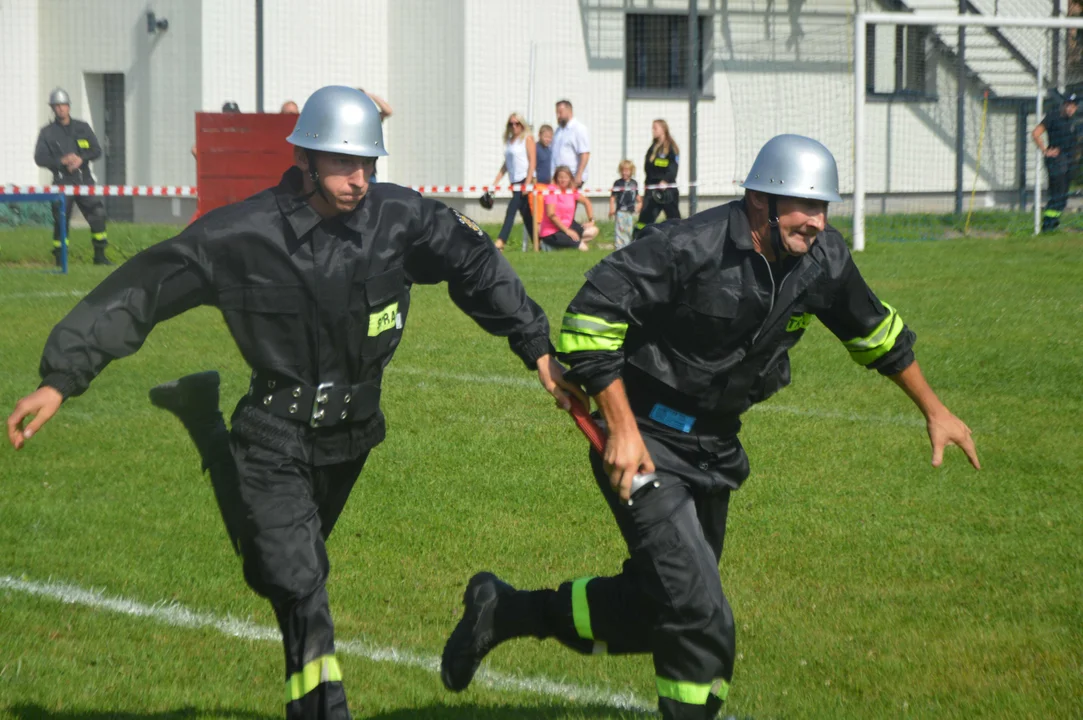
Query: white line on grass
176,615
44,294
523,382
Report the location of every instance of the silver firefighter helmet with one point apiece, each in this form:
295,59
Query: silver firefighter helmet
59,96
340,119
795,166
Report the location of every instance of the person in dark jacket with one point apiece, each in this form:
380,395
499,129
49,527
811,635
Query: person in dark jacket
1060,154
66,147
313,279
661,164
676,336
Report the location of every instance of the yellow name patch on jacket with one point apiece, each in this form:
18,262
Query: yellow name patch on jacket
384,320
84,144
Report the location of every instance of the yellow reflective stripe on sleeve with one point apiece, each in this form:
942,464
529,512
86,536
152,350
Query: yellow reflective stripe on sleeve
661,162
691,693
877,343
580,608
585,332
99,236
84,144
321,670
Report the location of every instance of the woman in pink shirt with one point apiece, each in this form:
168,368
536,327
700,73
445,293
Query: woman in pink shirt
558,226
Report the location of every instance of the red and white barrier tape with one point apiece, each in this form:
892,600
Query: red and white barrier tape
191,191
105,190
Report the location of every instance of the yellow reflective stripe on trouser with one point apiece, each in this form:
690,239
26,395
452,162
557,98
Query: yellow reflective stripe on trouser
98,236
691,693
580,608
584,332
321,670
877,343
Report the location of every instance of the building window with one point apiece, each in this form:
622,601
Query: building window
656,57
900,67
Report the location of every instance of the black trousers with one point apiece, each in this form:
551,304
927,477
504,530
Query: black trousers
1060,177
93,210
656,202
668,598
279,511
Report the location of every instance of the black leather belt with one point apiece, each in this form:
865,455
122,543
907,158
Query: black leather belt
323,405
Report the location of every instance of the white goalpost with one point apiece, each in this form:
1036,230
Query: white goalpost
931,93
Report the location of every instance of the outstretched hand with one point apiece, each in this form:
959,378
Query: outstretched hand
945,429
42,404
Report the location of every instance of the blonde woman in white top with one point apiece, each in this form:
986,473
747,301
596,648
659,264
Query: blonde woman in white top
519,163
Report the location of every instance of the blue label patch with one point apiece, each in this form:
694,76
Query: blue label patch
671,418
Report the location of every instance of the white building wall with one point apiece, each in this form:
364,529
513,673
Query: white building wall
161,74
228,52
428,137
19,89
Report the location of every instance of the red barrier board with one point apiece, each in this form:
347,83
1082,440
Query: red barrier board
240,154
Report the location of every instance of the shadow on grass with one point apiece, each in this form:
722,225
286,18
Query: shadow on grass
36,712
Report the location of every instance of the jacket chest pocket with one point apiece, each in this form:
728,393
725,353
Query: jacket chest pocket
265,320
382,306
707,320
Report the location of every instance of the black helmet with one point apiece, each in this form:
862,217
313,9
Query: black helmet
230,107
486,201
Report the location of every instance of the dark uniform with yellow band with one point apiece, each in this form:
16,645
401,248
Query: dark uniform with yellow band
698,325
317,307
54,142
661,167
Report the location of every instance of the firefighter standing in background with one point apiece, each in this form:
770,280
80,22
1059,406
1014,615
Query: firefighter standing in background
676,336
66,147
1059,154
313,279
660,164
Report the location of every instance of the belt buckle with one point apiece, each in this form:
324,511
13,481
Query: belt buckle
318,402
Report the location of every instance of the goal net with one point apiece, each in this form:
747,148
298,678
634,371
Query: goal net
945,108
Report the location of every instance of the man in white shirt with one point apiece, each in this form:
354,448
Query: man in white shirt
571,143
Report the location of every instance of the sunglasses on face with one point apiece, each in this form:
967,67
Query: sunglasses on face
515,123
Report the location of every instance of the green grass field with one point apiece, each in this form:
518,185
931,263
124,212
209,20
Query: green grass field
865,584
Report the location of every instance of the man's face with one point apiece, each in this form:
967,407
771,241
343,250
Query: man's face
1069,109
799,222
345,178
62,112
564,114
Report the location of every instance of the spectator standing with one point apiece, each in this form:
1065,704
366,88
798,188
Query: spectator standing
544,149
624,202
289,108
1059,154
519,163
571,144
663,157
65,147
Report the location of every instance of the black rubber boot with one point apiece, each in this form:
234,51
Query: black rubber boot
99,253
477,633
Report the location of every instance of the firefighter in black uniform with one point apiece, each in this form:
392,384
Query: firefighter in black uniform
66,146
663,157
1060,158
313,279
676,336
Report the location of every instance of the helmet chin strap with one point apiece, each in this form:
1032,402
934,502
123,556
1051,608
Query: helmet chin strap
314,176
772,221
